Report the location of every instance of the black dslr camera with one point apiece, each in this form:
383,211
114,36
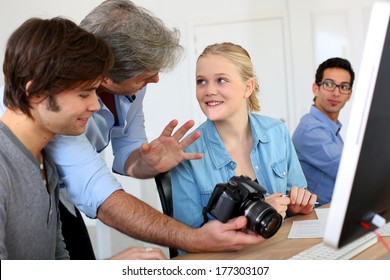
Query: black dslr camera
243,197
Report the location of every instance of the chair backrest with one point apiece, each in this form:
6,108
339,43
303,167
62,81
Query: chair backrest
164,188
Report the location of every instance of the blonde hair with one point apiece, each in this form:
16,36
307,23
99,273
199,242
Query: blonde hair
239,57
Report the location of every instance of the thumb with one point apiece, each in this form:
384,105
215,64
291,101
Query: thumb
145,147
237,223
274,195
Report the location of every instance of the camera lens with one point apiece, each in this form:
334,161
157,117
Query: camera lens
263,219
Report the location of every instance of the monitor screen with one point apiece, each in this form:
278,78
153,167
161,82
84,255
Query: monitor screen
362,188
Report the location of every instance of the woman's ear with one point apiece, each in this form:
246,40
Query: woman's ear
249,87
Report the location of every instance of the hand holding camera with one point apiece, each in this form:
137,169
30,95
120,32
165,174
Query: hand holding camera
243,197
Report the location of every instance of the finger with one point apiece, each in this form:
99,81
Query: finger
140,253
181,131
167,132
273,196
283,214
236,223
293,194
301,196
313,199
306,198
284,200
190,139
152,254
189,156
281,209
248,238
277,199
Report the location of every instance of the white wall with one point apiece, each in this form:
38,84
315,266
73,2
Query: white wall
302,19
304,23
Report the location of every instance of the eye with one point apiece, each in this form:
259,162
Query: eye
345,87
84,94
221,80
328,84
87,93
200,82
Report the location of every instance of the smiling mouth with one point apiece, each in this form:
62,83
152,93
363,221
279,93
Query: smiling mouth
84,120
214,103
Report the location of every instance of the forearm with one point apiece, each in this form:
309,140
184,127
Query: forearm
135,218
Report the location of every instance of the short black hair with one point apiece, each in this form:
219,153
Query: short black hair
334,62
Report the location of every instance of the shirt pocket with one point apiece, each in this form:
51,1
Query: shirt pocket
280,173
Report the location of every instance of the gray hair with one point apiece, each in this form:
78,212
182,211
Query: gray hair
140,42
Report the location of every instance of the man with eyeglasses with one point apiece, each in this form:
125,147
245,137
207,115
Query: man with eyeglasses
317,138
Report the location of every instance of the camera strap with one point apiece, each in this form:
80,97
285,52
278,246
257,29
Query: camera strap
205,217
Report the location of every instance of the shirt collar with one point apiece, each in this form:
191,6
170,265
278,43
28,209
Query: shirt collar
216,148
258,130
334,126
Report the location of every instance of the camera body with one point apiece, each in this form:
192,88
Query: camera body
243,197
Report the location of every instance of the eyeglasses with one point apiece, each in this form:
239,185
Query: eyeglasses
328,85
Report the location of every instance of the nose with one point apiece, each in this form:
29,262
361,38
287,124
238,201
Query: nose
336,91
94,105
210,90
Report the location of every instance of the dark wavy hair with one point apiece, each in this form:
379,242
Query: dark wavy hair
54,54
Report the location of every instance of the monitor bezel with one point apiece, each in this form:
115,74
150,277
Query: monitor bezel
348,193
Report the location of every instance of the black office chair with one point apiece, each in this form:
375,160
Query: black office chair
164,188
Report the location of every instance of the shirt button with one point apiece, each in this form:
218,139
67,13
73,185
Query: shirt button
257,167
284,173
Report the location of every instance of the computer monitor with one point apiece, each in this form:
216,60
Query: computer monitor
362,188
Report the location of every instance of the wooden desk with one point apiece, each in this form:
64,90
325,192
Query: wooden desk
279,247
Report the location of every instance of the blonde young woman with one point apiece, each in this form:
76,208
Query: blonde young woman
236,141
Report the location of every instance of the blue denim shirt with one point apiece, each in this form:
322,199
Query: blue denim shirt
319,147
272,156
82,170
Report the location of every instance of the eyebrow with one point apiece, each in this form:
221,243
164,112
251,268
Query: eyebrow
335,81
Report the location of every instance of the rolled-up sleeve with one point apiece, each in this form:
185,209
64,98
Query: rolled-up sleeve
130,135
83,172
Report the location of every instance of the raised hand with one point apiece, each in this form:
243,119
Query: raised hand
163,153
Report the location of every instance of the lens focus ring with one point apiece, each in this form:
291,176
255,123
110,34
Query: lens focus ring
263,219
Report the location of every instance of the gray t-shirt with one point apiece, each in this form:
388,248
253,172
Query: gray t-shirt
30,226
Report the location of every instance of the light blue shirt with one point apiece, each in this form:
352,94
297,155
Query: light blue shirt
82,170
319,147
273,159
